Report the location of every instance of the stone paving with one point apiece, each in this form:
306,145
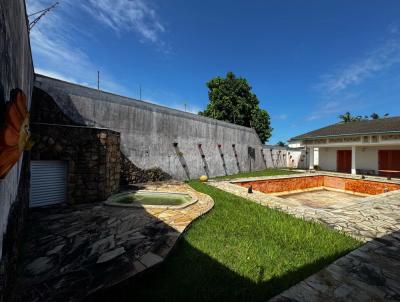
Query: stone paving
370,273
73,251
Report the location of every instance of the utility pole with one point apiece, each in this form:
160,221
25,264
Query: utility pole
185,107
140,92
98,80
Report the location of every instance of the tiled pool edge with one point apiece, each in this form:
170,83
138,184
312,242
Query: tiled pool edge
310,174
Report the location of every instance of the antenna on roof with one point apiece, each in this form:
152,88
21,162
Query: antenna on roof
42,13
98,80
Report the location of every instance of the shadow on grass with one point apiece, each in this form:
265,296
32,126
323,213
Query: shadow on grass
211,262
190,275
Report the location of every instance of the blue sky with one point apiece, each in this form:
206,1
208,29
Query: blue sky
307,61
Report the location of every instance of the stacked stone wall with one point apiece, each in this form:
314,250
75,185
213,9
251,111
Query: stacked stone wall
92,154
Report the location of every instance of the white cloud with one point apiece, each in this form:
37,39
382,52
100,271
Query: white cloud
280,116
55,50
127,15
378,60
341,90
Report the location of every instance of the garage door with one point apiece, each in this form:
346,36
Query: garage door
48,182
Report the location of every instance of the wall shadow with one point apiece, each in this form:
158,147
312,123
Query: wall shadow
182,160
235,154
273,161
191,275
203,158
222,156
263,158
69,240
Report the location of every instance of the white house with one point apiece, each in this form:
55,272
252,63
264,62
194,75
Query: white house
359,147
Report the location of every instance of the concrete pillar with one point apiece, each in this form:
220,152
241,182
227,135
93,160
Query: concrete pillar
353,160
311,157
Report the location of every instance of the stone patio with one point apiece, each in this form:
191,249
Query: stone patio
73,251
370,273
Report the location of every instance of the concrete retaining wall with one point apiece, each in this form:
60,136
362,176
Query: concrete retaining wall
16,71
182,144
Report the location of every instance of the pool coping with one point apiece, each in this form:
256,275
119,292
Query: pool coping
312,174
111,203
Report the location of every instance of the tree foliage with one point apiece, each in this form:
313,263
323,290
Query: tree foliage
348,117
231,100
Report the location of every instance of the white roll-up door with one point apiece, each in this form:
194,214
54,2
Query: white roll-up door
48,182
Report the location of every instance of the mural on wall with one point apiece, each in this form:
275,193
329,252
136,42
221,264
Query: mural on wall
14,136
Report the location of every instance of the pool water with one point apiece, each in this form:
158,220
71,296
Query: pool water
152,198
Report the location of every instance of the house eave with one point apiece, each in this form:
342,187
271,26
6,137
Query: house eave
340,135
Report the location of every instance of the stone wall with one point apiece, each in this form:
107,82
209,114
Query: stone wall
131,174
93,157
16,71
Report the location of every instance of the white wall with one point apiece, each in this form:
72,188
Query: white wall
316,156
327,158
366,157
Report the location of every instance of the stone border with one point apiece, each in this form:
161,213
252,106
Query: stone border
110,202
311,174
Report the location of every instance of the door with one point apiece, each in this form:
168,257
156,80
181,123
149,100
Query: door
389,160
343,161
48,182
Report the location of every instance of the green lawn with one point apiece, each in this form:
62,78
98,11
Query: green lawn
266,172
239,251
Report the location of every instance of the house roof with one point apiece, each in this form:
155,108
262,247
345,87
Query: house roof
379,126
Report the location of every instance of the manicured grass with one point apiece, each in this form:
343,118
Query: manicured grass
266,172
240,251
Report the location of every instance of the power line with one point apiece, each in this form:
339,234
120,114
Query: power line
42,13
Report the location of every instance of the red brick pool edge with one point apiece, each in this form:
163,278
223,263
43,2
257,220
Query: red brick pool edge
361,186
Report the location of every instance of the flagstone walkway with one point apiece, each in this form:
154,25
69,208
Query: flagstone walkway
73,251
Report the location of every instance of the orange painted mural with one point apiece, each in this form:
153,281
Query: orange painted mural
14,136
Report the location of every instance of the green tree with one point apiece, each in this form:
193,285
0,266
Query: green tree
280,144
231,100
376,116
347,117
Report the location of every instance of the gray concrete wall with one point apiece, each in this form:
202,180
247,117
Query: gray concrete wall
148,132
16,71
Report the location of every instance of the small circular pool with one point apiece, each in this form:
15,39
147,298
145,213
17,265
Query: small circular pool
151,199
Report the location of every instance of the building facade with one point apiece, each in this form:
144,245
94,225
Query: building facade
359,147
